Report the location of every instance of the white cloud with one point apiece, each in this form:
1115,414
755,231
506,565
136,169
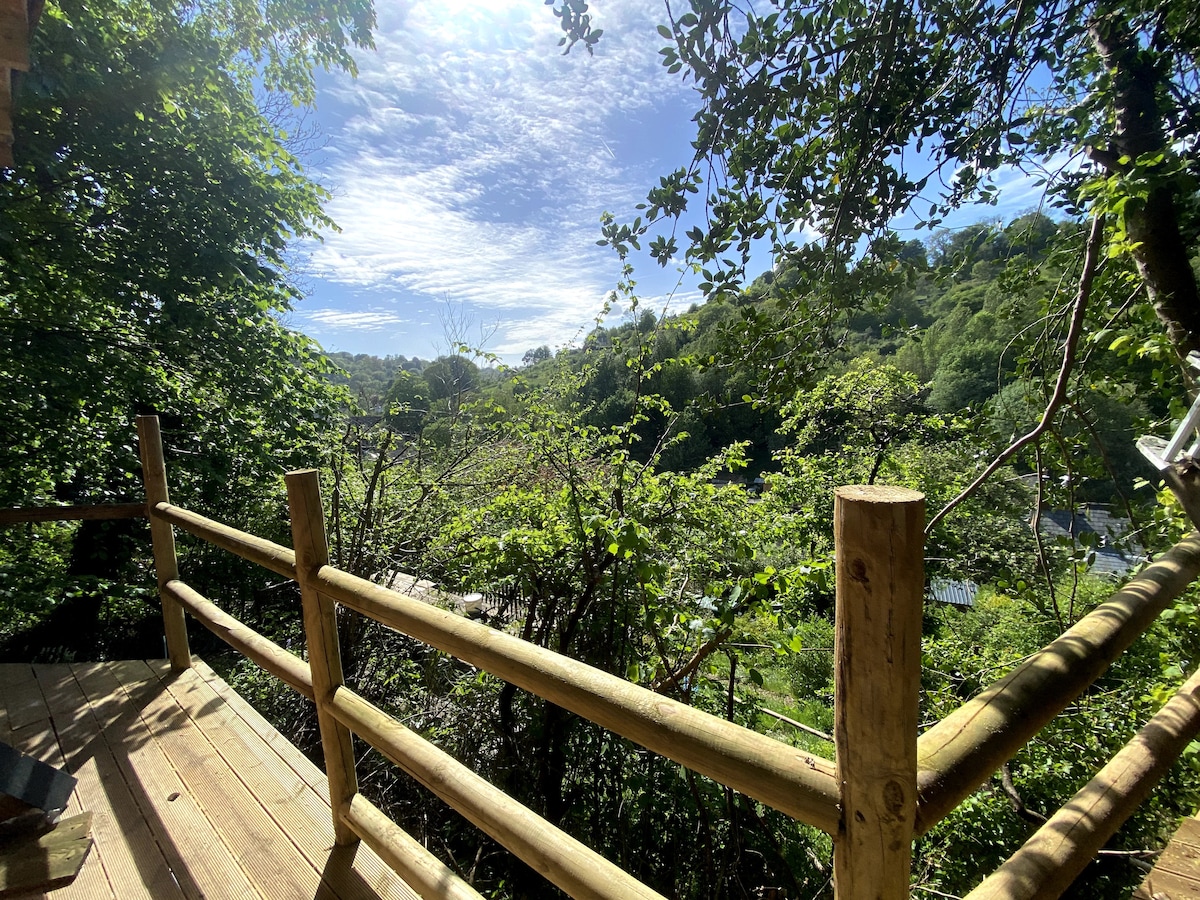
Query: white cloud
472,160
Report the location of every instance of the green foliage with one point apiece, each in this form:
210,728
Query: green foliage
964,652
141,247
369,377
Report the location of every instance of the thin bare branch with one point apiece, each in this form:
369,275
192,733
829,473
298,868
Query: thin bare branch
1090,264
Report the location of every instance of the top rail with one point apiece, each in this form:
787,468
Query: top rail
799,784
101,511
268,554
961,751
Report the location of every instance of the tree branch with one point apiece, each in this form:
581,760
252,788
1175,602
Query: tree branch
1091,262
1015,800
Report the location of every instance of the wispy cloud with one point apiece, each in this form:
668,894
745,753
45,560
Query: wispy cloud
353,321
471,160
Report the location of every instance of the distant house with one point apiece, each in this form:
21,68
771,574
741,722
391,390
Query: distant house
1116,554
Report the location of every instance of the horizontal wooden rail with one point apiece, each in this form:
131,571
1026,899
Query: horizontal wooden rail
961,751
1050,860
18,515
420,869
799,784
562,860
268,554
285,666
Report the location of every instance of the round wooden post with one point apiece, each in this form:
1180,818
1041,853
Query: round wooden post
879,542
324,653
162,537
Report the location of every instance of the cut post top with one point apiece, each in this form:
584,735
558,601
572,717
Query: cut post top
878,493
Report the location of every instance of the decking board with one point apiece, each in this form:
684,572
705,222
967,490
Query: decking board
1176,874
128,852
291,802
193,794
270,861
200,858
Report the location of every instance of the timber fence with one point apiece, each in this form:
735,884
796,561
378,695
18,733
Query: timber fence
885,785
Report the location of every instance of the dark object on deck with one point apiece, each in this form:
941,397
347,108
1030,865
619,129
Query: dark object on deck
27,785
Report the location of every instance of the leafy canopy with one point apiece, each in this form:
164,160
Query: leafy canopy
143,238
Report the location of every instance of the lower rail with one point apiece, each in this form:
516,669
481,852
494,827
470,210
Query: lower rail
562,860
1050,860
800,784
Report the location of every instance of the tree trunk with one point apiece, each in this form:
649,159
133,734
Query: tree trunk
1153,225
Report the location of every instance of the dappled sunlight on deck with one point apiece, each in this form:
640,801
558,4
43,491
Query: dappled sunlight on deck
193,793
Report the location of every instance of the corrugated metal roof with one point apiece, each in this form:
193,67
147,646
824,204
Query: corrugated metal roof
956,593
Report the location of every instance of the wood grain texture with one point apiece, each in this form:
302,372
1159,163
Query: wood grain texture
193,794
48,860
351,874
1049,861
879,543
166,564
275,557
321,632
961,751
792,781
287,667
125,847
563,861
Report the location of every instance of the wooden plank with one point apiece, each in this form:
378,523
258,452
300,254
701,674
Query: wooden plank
1188,833
295,809
204,865
371,867
31,730
1176,874
92,881
272,862
298,810
1168,886
285,749
879,541
126,849
42,862
22,698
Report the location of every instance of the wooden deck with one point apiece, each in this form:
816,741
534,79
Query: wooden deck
193,794
1176,875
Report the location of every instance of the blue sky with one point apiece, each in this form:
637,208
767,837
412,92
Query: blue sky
469,165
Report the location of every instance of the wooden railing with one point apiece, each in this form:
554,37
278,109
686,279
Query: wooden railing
886,786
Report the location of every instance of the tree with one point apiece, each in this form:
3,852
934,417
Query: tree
450,378
142,238
142,234
536,355
406,403
814,113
